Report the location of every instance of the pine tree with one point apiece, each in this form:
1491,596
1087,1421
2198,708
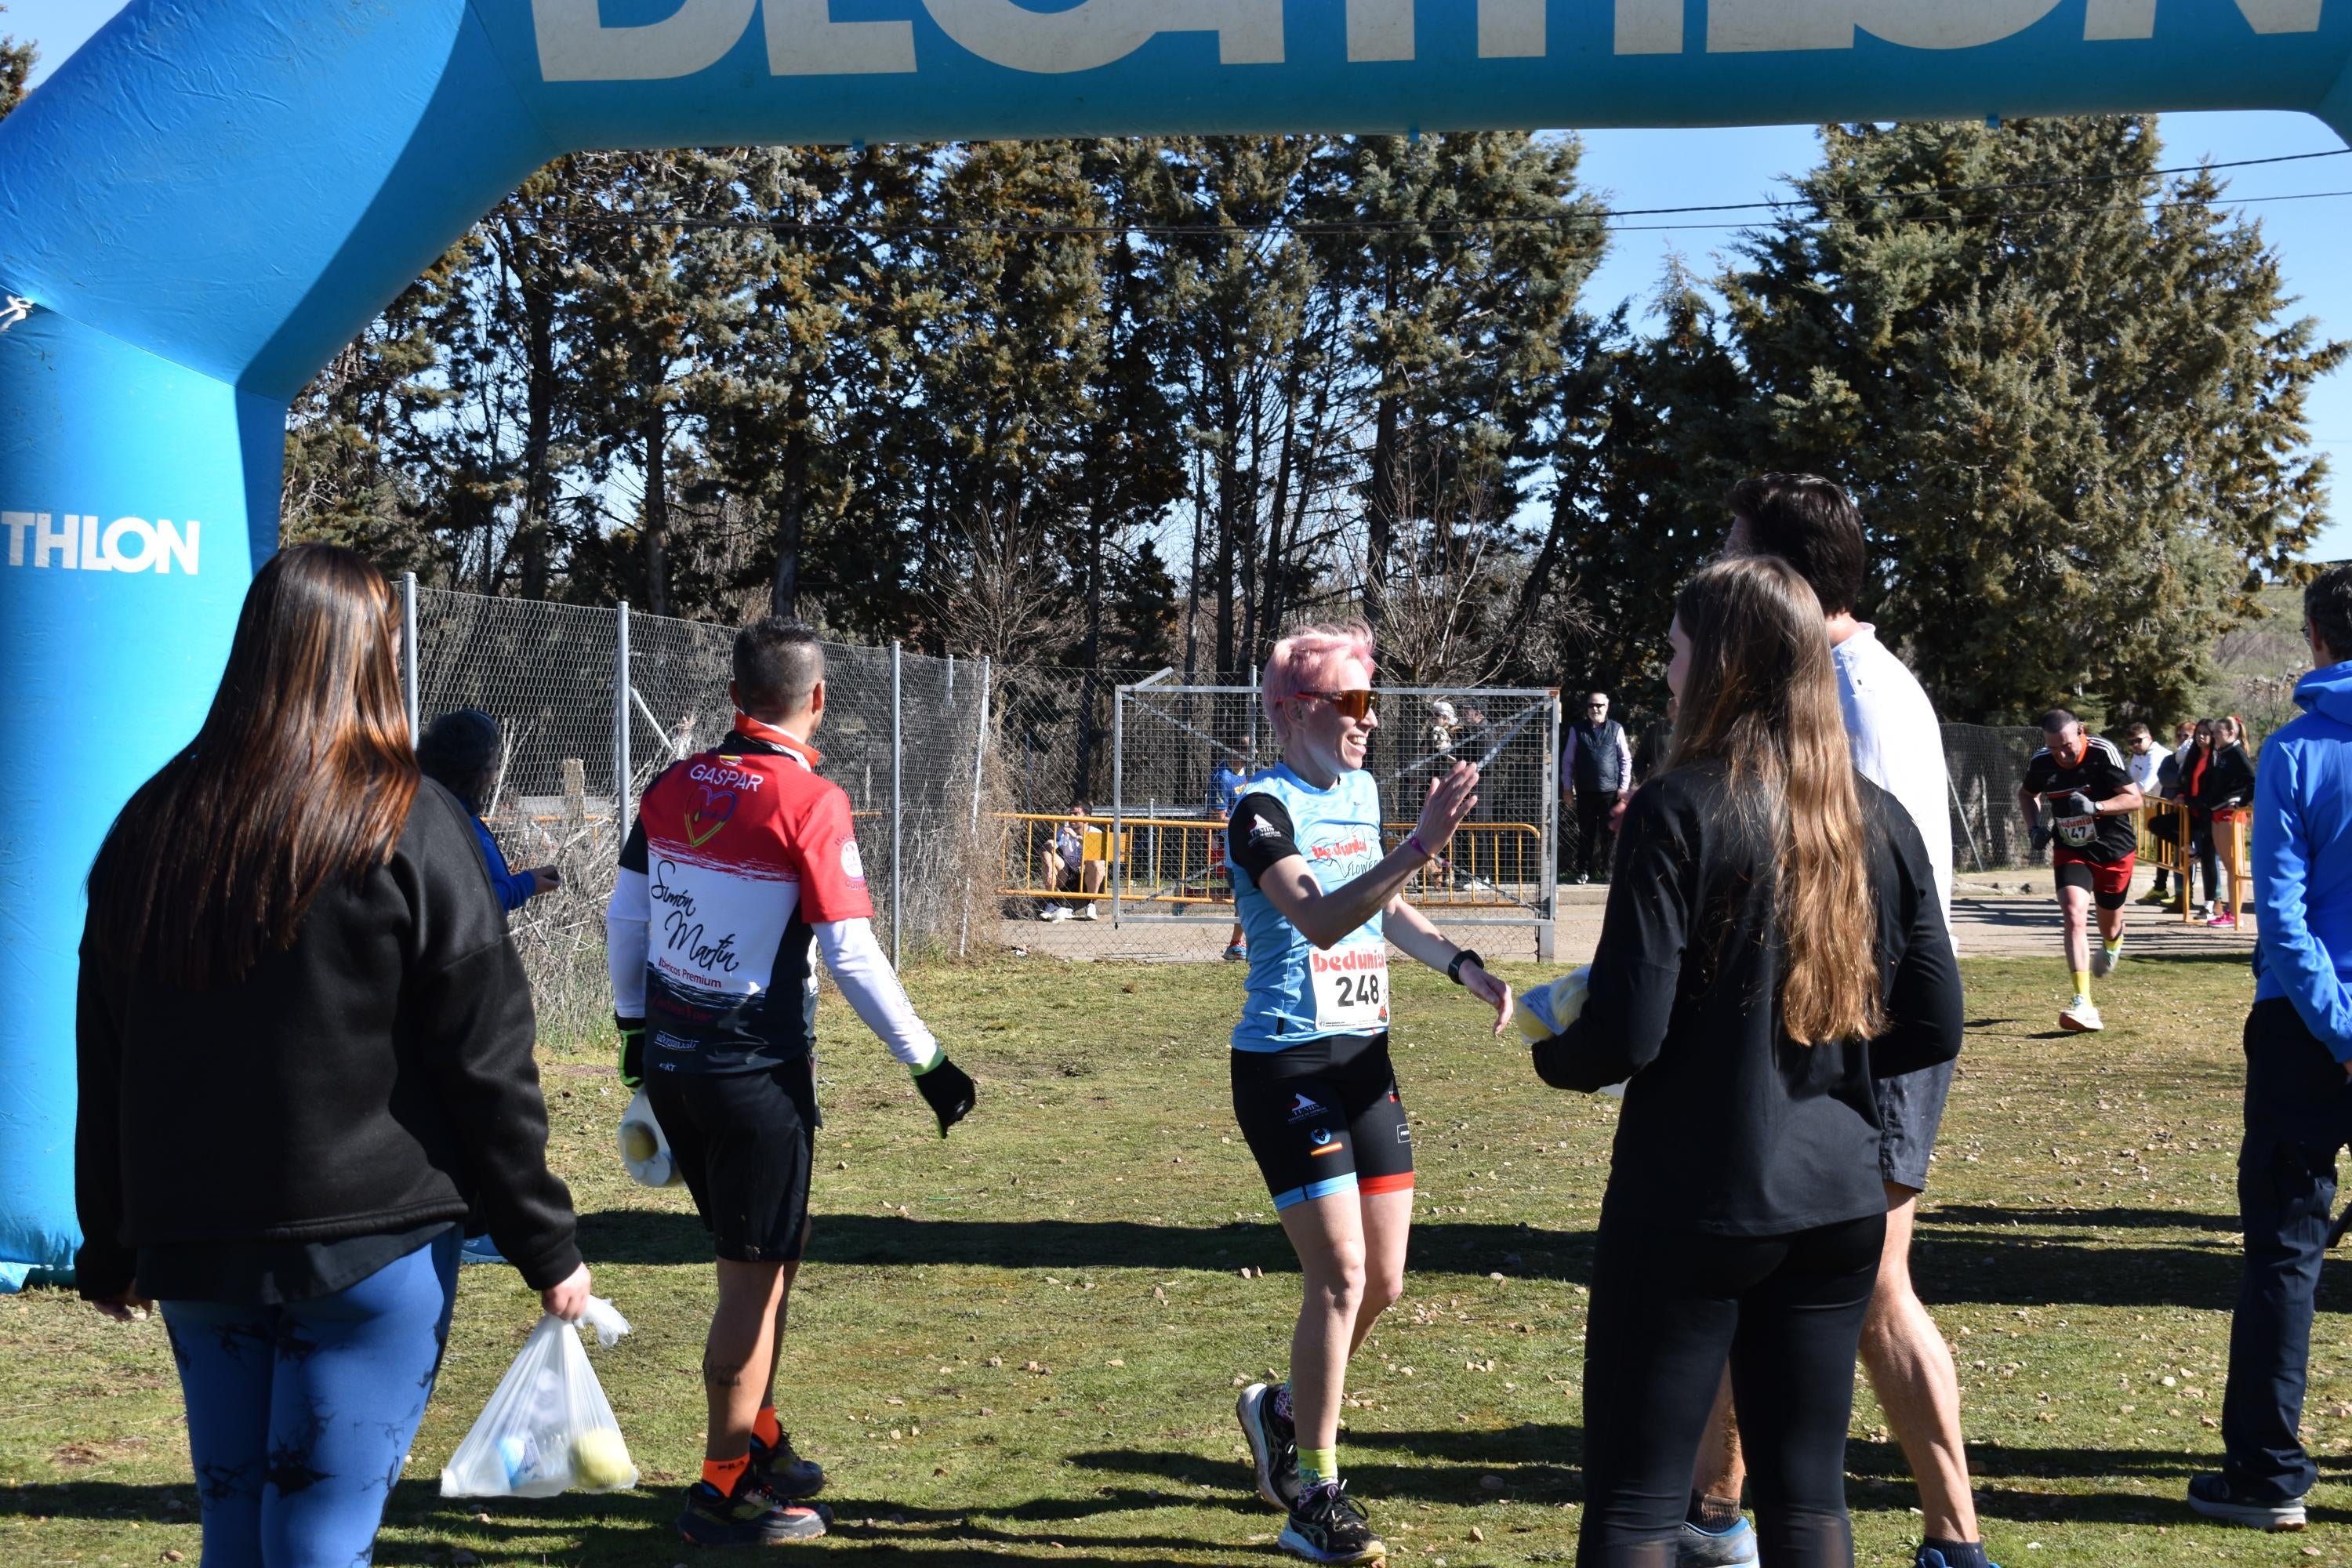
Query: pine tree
2073,406
17,60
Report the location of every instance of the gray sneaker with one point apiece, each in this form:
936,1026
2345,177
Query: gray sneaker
2219,1498
1715,1548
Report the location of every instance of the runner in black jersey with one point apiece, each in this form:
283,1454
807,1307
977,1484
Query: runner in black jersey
2078,792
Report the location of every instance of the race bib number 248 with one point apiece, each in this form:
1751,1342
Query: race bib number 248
1351,988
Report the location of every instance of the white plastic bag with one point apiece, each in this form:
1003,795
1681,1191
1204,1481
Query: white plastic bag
547,1428
645,1147
1551,1007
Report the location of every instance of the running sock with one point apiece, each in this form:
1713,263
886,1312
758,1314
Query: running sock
2081,985
764,1427
725,1473
1316,1466
1713,1514
1281,1397
2114,946
1961,1553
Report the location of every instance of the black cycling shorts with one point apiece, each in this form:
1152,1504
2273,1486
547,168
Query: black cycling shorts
1323,1117
744,1141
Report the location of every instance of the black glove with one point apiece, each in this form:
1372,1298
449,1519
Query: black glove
947,1089
633,1052
2040,837
2074,806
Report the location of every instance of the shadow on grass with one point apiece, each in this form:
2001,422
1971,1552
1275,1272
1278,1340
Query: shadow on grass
1956,1263
2088,1219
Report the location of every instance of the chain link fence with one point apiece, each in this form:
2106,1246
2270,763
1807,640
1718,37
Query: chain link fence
1984,765
903,734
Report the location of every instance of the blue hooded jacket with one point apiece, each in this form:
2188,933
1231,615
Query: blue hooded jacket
2303,861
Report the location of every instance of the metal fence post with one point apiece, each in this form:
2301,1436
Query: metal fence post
898,802
979,762
408,650
1117,799
1547,880
621,766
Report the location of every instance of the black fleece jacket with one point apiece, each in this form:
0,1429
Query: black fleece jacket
1729,1126
373,1078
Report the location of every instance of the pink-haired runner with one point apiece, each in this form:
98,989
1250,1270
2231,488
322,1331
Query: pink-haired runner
1313,1089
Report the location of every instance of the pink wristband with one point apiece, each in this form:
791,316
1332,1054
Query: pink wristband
1412,841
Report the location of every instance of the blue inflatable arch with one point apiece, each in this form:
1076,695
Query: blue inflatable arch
213,196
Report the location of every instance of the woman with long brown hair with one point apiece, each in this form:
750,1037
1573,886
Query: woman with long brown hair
1773,939
304,1045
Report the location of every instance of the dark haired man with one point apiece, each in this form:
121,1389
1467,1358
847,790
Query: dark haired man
2298,1045
1897,742
2079,797
740,868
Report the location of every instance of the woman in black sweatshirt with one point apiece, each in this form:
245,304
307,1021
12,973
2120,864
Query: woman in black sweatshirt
304,1045
1773,941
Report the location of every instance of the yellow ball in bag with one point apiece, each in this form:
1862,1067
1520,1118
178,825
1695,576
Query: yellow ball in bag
1552,1006
600,1460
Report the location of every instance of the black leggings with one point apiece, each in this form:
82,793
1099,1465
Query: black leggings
1667,1308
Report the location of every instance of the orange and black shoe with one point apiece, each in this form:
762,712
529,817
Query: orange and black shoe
788,1475
753,1515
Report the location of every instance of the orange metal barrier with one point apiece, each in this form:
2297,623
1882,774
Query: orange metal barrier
1162,864
2164,840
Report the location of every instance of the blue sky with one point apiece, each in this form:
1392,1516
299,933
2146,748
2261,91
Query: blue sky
1675,168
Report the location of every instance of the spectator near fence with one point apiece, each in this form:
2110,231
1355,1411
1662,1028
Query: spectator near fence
2162,781
1597,767
2298,1048
1069,868
2225,783
460,752
1224,794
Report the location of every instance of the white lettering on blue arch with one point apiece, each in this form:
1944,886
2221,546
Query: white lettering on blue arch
75,542
804,39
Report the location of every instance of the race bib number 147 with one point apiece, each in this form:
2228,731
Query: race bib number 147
1351,988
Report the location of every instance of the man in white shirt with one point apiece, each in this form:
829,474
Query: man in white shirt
1898,744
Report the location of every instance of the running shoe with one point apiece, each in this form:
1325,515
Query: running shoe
2217,1497
1330,1526
1726,1548
1929,1557
1273,1445
788,1475
753,1516
1091,913
2103,962
2156,896
480,1250
1055,913
2081,1016
2225,921
1236,953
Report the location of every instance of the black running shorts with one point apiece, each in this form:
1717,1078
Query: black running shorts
744,1144
1323,1117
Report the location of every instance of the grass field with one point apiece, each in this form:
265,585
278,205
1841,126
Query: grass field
1022,1343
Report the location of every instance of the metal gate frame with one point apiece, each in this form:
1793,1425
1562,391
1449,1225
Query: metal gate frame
1543,916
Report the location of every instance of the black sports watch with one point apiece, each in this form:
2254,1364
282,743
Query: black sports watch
1460,957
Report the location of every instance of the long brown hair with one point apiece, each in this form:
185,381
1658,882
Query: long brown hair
1760,696
301,774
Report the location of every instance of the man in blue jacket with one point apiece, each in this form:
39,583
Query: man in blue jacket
2298,1096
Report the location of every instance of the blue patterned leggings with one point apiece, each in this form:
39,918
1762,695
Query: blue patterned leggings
301,1416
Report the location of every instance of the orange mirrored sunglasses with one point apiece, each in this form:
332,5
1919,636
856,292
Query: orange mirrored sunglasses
1350,704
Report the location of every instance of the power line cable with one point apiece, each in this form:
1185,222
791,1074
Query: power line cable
1602,218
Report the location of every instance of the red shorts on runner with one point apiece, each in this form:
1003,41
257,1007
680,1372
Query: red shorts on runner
2110,879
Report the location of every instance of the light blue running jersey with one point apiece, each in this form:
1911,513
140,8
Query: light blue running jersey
1295,993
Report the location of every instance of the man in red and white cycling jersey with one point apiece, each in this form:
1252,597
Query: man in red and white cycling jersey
740,868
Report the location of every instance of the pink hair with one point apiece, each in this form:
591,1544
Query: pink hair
1306,660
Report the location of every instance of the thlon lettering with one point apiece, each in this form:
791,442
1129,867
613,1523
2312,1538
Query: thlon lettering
1750,27
85,542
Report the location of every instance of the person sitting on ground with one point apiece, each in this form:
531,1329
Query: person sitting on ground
1774,944
1067,867
304,1042
2298,1049
460,752
2224,786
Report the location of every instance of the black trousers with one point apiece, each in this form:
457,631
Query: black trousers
1595,839
2298,1114
1668,1307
